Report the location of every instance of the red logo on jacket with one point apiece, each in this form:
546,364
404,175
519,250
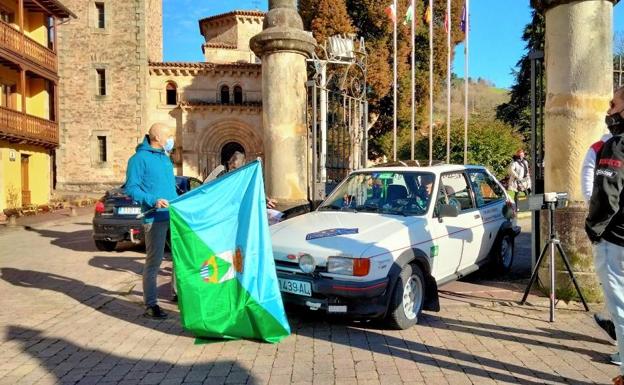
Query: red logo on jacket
614,163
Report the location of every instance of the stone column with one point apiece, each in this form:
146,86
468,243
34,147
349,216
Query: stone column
579,75
283,47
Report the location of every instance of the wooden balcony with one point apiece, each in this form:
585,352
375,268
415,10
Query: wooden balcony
17,126
26,48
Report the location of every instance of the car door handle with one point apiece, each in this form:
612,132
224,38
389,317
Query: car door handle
477,216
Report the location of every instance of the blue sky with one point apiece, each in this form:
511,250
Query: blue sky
495,40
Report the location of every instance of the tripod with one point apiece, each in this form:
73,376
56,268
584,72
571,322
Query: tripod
550,245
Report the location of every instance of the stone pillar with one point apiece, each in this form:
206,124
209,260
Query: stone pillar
283,47
579,75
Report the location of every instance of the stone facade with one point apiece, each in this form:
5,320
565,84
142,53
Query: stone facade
90,123
227,36
144,90
208,128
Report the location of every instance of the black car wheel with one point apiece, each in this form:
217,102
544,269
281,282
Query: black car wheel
408,298
503,254
105,245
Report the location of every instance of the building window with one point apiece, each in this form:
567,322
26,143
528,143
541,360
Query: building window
238,95
7,15
101,15
101,81
172,94
225,94
102,151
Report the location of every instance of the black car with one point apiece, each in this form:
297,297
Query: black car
115,218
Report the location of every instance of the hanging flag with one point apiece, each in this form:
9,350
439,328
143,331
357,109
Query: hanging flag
462,23
391,13
225,273
428,15
409,15
446,24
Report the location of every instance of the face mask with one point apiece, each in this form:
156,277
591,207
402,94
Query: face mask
615,122
168,145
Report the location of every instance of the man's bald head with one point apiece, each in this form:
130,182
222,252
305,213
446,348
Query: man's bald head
158,134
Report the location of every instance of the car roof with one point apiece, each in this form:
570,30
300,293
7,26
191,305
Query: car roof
437,169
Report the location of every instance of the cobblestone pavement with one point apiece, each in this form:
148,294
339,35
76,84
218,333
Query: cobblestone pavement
72,315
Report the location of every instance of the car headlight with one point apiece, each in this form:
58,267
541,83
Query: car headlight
307,263
358,267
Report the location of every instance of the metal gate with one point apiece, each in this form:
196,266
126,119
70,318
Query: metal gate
337,113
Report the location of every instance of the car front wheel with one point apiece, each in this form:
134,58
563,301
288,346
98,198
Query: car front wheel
503,254
408,298
105,245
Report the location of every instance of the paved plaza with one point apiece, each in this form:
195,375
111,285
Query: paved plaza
72,315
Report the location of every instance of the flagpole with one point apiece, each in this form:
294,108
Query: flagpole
466,83
413,78
394,132
430,83
448,81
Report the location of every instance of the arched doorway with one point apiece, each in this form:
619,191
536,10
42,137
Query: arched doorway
229,149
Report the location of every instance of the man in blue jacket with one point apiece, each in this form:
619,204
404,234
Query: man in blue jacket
150,181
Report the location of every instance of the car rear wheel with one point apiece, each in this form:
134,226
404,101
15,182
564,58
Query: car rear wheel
105,245
408,298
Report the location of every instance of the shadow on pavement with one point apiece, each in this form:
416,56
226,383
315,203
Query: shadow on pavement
80,240
442,357
71,363
108,302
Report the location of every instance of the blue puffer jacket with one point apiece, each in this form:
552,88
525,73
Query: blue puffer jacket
149,177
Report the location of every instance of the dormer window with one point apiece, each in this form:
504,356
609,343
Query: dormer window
172,94
238,95
225,94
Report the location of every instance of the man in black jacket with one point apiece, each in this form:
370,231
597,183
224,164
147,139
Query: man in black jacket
605,222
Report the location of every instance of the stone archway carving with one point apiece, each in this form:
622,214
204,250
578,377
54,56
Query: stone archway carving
218,134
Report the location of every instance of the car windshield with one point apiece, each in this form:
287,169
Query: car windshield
398,193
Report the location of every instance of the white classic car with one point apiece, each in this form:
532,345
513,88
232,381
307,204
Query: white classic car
385,239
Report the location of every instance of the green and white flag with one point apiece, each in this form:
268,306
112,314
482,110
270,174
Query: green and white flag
223,258
409,15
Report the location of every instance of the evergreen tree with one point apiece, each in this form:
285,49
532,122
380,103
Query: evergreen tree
330,19
517,112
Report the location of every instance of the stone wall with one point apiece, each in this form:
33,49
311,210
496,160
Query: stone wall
122,51
154,30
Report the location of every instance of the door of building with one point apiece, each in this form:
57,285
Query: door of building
25,179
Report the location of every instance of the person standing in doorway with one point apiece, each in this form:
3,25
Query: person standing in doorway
519,176
151,182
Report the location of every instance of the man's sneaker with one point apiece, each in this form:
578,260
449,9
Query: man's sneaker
155,312
606,325
615,359
619,380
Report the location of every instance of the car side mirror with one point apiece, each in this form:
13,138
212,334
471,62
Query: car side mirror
448,211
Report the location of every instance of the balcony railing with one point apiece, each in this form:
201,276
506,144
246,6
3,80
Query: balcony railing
18,126
26,47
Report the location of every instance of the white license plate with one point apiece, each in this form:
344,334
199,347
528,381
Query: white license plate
295,287
129,210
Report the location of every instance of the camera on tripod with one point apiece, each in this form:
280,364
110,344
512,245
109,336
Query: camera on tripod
554,200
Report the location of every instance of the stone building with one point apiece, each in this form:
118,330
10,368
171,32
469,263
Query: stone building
216,105
103,61
118,86
29,78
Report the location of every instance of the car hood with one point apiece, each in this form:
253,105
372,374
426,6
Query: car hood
289,237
